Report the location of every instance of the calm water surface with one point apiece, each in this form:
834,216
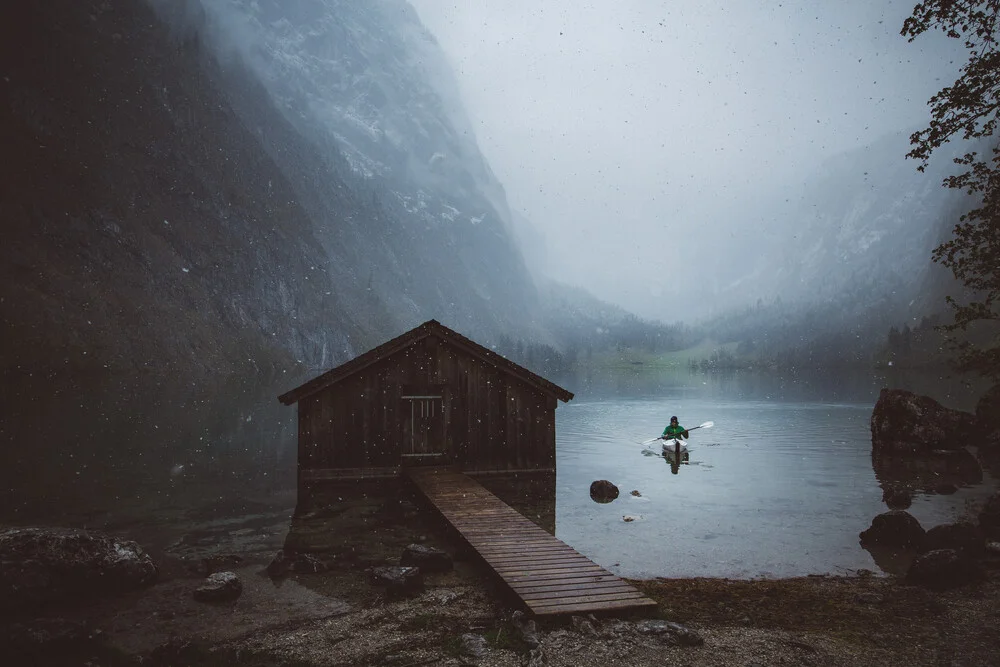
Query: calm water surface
780,486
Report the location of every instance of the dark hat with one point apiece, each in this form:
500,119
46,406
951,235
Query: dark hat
673,419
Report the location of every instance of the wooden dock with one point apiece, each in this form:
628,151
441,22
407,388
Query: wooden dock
547,574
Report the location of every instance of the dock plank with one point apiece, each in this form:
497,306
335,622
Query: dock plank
549,576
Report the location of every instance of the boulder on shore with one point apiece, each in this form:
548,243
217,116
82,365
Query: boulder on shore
219,587
904,423
944,568
50,565
603,491
895,528
961,536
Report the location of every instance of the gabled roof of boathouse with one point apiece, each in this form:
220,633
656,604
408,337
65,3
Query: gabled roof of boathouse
403,341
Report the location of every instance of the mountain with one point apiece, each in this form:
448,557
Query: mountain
145,231
225,181
202,203
866,218
839,259
368,88
858,230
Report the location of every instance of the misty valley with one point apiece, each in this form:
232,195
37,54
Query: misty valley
498,232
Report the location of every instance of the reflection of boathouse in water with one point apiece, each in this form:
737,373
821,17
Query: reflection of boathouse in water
428,397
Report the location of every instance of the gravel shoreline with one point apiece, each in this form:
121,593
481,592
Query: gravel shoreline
336,618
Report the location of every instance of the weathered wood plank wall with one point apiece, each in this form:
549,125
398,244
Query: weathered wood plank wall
492,420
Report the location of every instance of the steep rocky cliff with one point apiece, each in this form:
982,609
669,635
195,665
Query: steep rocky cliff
186,232
144,228
238,184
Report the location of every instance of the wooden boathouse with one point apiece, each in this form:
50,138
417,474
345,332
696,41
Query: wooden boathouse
428,396
434,407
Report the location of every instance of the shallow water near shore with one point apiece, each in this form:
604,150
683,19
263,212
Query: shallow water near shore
780,486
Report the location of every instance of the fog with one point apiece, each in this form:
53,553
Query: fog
646,140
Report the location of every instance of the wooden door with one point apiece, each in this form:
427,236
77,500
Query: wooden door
423,428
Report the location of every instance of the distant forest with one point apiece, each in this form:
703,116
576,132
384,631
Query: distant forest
767,335
584,343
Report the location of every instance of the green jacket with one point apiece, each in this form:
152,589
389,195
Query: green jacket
675,431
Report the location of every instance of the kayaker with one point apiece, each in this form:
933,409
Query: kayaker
674,430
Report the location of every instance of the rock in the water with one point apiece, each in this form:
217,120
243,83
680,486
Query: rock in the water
219,587
944,568
397,580
428,559
961,536
894,528
905,423
675,632
897,498
989,517
603,491
43,565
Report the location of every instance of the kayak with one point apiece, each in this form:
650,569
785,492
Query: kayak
670,444
670,448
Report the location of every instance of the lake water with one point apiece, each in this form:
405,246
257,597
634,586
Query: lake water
780,486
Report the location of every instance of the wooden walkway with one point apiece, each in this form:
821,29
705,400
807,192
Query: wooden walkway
547,574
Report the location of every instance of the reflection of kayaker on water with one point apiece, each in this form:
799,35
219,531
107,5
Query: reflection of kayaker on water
674,430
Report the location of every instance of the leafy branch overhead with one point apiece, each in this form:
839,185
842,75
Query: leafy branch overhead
968,110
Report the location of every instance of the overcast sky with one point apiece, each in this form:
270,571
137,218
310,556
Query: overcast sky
625,128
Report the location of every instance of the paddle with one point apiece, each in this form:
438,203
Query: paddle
693,428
